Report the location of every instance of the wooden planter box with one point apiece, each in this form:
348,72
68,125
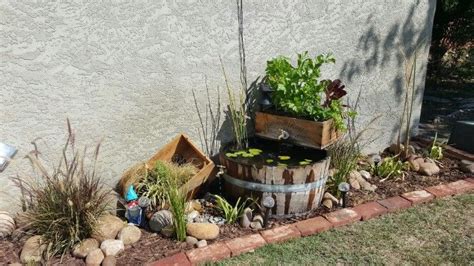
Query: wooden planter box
180,147
301,132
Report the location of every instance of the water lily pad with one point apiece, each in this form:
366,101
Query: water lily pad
284,157
240,152
231,155
282,164
255,151
247,155
304,163
308,160
269,160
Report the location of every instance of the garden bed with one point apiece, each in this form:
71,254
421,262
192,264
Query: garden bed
152,246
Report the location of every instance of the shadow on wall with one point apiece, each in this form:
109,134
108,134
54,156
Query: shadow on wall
402,38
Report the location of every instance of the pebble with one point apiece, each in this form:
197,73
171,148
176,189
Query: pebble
191,241
201,243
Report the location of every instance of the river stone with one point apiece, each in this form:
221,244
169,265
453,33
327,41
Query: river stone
112,247
109,261
168,231
201,243
191,241
246,218
160,220
191,216
82,249
467,166
130,234
201,231
353,181
327,203
415,161
429,168
95,257
32,250
108,226
329,196
256,225
258,218
7,224
366,175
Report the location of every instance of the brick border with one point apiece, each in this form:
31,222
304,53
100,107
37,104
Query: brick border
341,217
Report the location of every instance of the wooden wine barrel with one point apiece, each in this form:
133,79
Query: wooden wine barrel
296,190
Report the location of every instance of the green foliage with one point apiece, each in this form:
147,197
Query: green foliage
231,213
153,185
237,111
62,205
436,151
177,201
298,90
344,156
390,167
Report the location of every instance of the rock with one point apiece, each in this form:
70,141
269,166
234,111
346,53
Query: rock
109,261
32,250
205,231
108,226
256,225
95,257
7,224
82,249
366,175
258,218
429,168
193,205
191,216
246,218
329,196
415,161
160,220
411,150
327,203
332,172
168,231
201,243
191,241
354,183
363,184
467,166
129,234
112,247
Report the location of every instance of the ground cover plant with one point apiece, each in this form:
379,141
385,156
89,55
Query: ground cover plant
63,204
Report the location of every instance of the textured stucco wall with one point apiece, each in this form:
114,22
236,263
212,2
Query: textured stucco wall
123,71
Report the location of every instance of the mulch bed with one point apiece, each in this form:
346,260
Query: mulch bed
152,246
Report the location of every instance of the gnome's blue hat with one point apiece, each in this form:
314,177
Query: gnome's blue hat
131,194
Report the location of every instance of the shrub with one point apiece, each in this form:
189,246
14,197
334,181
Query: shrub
231,213
154,186
63,204
390,167
344,156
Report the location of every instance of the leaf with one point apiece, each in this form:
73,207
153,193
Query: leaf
284,157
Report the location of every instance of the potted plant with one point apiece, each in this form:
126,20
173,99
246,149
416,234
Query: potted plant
298,106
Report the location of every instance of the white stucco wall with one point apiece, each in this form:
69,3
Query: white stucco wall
123,71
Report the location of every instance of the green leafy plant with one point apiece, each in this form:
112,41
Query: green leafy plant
238,113
63,204
153,185
390,167
298,91
231,213
436,150
177,201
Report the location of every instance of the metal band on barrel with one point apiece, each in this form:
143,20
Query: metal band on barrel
277,188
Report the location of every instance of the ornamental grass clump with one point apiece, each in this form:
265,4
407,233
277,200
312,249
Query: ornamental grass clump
177,202
63,204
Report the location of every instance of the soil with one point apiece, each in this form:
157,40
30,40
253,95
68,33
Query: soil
152,246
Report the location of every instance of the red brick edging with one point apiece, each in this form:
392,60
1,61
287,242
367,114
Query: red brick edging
234,247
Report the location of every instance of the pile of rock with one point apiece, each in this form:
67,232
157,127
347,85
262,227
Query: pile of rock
424,166
109,240
358,180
